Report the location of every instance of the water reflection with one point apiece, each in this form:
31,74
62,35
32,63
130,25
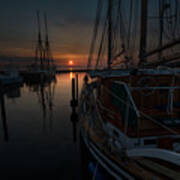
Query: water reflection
12,93
71,75
45,91
3,117
74,105
35,118
74,120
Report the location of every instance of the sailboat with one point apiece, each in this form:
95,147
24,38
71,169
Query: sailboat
43,69
129,106
10,76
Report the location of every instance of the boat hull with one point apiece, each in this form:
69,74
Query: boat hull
11,81
110,169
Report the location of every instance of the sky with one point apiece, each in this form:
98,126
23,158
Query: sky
70,24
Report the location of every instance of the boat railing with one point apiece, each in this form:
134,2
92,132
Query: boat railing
127,107
130,97
138,112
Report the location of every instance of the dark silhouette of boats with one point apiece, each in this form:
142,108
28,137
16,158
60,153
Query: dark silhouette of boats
43,68
10,92
130,109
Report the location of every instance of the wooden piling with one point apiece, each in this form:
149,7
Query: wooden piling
73,90
74,103
3,116
77,88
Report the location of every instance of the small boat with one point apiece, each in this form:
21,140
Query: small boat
8,78
130,112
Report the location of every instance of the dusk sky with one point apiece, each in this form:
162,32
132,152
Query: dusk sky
70,27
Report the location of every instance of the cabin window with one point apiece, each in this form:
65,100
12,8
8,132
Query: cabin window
121,98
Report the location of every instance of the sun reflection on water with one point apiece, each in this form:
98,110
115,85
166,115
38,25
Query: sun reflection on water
71,74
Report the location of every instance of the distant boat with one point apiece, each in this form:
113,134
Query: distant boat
35,73
43,68
130,111
10,77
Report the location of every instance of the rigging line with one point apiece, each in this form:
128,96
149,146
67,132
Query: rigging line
102,42
119,27
115,34
162,8
119,31
136,21
170,26
143,114
165,47
109,52
96,29
122,26
130,22
152,42
176,15
172,19
103,53
102,58
123,22
133,28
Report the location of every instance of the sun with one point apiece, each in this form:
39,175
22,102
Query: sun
70,62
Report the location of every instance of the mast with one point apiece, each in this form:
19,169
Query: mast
46,51
143,40
39,48
110,5
161,25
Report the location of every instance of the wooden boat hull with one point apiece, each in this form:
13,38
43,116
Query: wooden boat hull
112,149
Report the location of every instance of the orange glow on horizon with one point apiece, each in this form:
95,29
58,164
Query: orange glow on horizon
70,62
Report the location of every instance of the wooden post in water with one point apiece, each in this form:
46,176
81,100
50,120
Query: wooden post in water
73,90
3,115
74,120
74,103
77,88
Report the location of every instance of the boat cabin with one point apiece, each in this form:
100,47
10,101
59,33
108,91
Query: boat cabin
143,104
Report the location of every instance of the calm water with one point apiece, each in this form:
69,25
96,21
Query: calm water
36,137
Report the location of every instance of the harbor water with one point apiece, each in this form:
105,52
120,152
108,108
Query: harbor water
37,134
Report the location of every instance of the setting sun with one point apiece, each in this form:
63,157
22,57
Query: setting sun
70,63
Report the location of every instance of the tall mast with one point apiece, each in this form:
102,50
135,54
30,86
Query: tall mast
46,53
161,25
39,45
143,40
110,6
